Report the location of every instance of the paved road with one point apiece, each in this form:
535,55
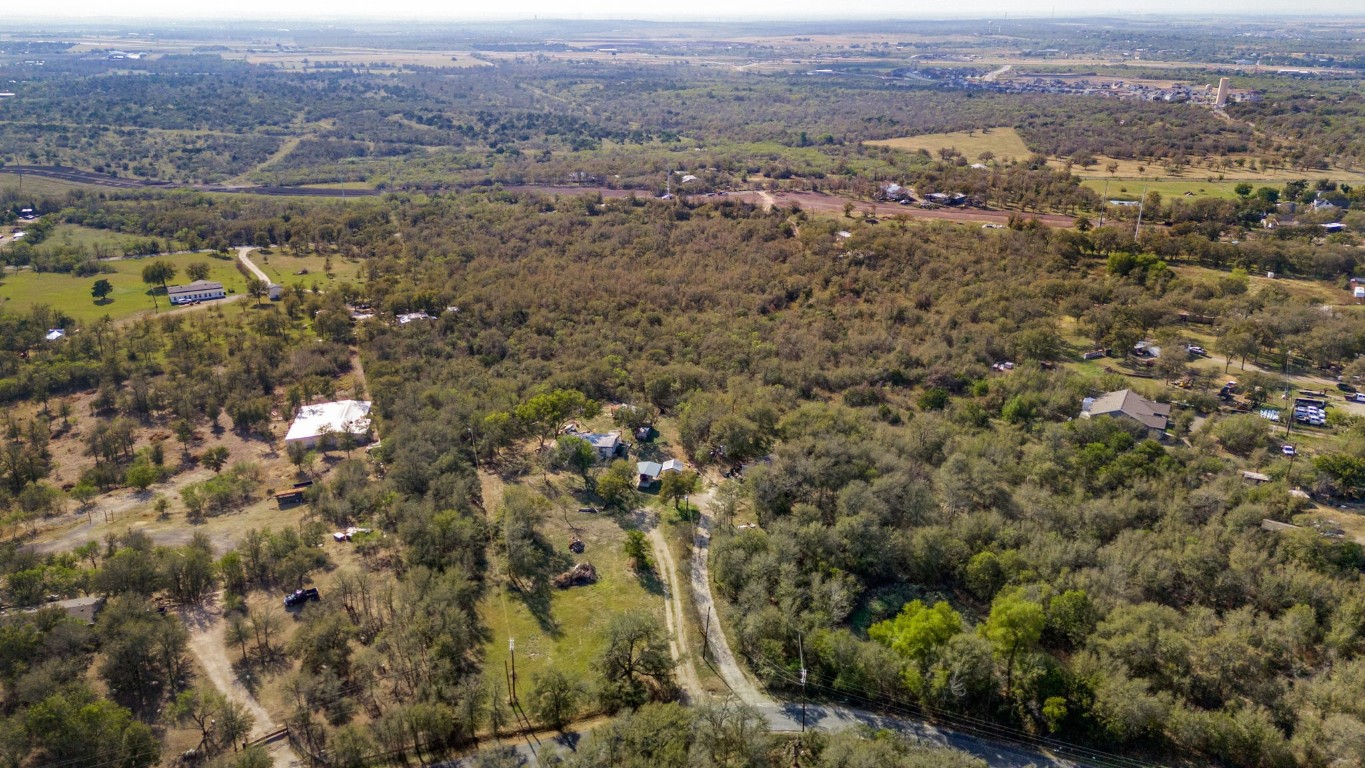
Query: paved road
242,256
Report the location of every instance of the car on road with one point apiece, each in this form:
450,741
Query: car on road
1288,450
300,596
1198,351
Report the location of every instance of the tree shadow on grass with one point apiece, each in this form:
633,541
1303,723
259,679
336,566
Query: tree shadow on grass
252,670
649,579
538,600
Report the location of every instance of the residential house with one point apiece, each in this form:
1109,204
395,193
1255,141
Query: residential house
608,445
1127,404
199,290
651,472
337,418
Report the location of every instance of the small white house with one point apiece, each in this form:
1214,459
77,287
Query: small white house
341,417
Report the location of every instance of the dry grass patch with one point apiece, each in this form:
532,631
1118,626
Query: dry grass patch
1003,142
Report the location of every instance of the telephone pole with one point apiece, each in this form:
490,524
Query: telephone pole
801,649
1141,203
512,651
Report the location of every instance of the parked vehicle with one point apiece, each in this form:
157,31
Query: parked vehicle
1288,450
300,596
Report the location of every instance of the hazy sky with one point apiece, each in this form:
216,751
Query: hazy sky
634,9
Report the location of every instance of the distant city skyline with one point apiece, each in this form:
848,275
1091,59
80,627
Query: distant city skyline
697,10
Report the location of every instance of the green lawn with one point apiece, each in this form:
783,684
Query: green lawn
1003,142
77,235
38,186
21,290
284,268
570,633
1131,189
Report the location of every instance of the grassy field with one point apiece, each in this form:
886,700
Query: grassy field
1141,170
77,235
1130,189
1004,142
38,186
285,268
21,290
569,631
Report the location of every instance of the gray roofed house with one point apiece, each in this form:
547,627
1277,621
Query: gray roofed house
649,472
199,290
81,608
607,445
1128,404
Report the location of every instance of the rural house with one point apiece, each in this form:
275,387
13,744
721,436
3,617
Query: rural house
1128,404
199,290
651,471
341,417
607,445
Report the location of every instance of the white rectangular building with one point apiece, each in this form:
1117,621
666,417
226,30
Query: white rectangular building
341,417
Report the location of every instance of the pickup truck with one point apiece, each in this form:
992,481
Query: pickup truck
300,596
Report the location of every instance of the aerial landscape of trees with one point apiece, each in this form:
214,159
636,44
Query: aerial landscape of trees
876,417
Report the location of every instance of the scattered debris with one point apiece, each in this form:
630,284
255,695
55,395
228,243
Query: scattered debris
348,533
576,546
580,574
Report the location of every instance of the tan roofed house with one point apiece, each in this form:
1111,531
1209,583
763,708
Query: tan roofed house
1128,404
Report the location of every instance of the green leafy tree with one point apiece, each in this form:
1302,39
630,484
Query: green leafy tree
545,412
1345,473
1015,625
676,486
577,454
257,288
197,271
101,289
918,630
636,665
555,698
637,549
616,486
216,457
158,273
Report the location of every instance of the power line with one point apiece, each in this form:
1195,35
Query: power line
964,722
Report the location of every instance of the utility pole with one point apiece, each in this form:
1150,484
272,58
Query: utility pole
1141,203
1104,201
706,636
801,649
512,650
